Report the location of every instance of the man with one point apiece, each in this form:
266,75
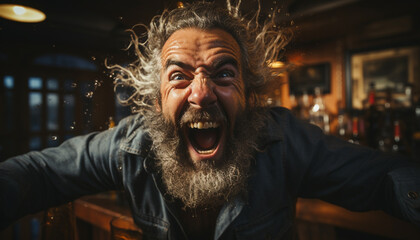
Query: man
203,159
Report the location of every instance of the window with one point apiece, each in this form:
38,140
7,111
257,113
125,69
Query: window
65,61
9,138
52,110
49,102
8,86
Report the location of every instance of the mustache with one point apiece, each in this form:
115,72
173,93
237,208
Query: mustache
210,114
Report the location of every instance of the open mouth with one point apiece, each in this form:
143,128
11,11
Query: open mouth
204,136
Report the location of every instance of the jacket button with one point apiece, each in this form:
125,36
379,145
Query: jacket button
412,195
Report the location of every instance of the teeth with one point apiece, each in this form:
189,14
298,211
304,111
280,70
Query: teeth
204,125
205,151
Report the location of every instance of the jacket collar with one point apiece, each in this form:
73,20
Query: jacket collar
137,141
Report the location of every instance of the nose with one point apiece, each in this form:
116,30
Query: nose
202,93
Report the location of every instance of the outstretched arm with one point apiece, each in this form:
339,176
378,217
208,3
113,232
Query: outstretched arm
38,180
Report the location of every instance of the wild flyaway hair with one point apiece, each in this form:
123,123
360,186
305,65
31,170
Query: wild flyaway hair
260,45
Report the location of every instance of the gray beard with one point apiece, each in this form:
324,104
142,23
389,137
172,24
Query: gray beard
207,184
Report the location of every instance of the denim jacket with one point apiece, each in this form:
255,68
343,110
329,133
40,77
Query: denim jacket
296,160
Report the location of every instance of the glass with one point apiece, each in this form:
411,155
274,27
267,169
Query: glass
123,228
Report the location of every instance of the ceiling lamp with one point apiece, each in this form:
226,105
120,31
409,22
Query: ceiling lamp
21,13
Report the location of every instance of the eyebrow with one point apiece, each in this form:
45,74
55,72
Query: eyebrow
180,64
215,65
225,61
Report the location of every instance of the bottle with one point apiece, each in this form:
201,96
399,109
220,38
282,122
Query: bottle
386,124
415,126
355,138
408,99
341,124
304,107
372,116
294,106
408,118
317,112
397,143
362,129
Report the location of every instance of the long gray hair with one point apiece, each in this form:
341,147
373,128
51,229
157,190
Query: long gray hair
260,44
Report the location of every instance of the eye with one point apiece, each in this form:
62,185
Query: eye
178,76
225,74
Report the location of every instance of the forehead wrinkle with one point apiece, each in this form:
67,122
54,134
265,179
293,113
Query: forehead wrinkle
212,61
223,44
219,53
219,45
201,50
218,62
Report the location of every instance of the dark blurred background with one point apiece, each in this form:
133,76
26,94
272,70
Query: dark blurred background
54,83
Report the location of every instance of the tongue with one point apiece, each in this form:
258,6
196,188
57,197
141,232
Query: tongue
205,138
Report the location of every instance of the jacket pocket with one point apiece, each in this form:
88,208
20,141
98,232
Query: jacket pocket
276,224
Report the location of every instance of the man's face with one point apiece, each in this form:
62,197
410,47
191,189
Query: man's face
202,89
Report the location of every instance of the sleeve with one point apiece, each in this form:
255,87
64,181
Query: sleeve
405,183
352,176
38,180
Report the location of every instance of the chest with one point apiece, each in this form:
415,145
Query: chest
267,210
199,224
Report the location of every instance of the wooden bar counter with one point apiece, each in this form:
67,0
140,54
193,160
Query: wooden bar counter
99,210
317,212
313,217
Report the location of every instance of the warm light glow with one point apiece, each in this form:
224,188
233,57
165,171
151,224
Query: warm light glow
315,108
180,4
276,64
19,10
21,13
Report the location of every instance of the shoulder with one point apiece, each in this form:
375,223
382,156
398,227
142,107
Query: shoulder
281,114
281,120
133,137
129,124
286,118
